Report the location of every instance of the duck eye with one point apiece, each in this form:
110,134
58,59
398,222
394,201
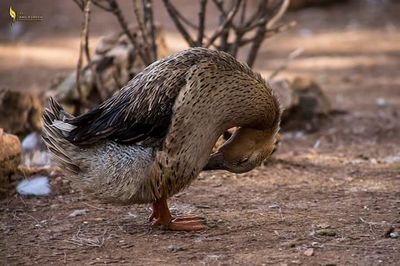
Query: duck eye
243,160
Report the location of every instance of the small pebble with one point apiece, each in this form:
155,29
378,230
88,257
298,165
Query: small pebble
323,226
78,212
394,235
381,102
309,252
174,248
274,206
326,232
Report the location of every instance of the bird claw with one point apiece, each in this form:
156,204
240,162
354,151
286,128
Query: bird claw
190,225
183,223
162,217
190,218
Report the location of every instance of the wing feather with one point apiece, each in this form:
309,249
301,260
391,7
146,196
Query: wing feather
143,108
140,110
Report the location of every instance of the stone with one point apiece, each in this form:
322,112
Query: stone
311,98
309,252
20,112
175,248
10,158
326,232
303,101
79,212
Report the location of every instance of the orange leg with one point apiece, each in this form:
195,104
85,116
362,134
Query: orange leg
163,217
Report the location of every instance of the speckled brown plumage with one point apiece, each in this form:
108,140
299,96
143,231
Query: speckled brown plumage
155,135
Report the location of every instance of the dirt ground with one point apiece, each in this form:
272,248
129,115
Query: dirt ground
335,191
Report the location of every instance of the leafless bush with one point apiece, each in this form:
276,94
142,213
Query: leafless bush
241,23
238,26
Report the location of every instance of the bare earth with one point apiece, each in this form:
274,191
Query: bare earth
343,179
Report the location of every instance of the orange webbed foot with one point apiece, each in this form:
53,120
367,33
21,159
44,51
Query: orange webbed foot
182,224
162,217
187,225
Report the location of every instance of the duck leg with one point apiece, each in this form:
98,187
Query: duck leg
163,217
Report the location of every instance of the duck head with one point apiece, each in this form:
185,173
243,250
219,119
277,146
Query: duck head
246,149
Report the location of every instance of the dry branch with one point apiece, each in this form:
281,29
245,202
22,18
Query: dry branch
226,23
232,21
283,8
284,65
173,13
240,24
121,19
140,22
149,21
80,4
83,47
202,17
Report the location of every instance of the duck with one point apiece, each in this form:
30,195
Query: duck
153,137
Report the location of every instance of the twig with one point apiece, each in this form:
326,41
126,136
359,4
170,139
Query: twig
186,21
284,65
22,200
372,223
243,13
33,218
105,8
223,43
80,4
85,241
86,27
149,21
226,22
97,79
202,15
262,29
259,12
83,46
239,34
219,5
279,14
140,22
258,36
117,12
173,13
269,33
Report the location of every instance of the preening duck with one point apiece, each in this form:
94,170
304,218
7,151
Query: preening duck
152,138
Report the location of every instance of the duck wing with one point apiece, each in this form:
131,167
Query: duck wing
140,110
143,109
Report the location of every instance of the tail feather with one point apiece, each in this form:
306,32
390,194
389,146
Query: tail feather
55,131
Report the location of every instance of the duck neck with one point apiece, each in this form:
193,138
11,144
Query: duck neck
213,101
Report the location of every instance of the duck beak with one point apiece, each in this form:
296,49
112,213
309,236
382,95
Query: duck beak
216,162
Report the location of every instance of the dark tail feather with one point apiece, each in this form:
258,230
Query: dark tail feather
55,131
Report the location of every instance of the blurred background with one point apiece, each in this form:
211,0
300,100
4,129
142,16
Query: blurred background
335,66
338,39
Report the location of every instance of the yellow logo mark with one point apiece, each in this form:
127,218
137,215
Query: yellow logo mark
13,14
